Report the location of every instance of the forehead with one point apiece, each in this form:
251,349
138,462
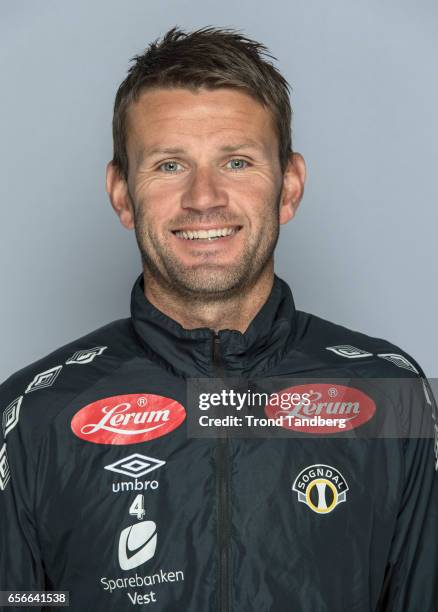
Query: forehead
175,115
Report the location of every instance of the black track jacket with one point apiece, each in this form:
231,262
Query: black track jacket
103,493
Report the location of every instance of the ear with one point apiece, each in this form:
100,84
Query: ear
293,187
117,189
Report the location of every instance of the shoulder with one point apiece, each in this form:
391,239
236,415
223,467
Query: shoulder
31,397
383,366
337,346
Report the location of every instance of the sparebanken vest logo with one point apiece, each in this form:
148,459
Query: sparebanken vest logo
128,419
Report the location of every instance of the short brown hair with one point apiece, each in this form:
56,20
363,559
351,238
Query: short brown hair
211,58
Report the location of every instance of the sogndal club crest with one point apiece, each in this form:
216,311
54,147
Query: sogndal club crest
321,487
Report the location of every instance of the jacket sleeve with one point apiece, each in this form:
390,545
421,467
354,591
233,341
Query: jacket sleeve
21,566
411,580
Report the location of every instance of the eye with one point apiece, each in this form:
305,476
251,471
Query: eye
169,167
238,164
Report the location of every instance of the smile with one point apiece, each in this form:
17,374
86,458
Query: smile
210,234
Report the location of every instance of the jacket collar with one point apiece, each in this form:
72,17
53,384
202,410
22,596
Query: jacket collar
189,352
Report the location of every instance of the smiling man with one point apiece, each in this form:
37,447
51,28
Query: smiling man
108,493
205,194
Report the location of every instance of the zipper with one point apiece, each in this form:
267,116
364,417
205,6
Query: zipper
223,496
217,358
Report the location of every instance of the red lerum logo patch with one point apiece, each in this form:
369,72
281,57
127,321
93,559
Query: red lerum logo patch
128,419
325,408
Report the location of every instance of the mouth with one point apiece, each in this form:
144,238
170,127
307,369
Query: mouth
207,235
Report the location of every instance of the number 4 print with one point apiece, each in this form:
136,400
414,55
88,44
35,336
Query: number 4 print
137,507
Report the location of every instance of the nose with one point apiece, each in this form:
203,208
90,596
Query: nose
204,190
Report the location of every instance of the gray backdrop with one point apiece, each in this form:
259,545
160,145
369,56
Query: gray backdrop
362,250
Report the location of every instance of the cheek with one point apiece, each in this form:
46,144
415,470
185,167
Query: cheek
157,206
259,203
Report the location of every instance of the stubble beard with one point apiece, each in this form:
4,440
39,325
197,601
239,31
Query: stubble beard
206,281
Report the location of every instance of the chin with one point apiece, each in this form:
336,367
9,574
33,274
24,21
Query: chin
210,283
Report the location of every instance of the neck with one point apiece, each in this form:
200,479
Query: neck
235,312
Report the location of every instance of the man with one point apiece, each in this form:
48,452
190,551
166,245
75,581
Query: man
105,491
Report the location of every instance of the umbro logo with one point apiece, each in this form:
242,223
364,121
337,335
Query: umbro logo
346,350
5,473
426,392
86,356
44,379
11,415
399,360
135,465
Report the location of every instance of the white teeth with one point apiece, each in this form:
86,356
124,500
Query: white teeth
204,234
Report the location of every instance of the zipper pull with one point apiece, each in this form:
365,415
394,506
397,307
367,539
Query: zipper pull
216,357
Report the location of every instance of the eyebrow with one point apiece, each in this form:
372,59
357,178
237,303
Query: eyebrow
145,153
244,145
